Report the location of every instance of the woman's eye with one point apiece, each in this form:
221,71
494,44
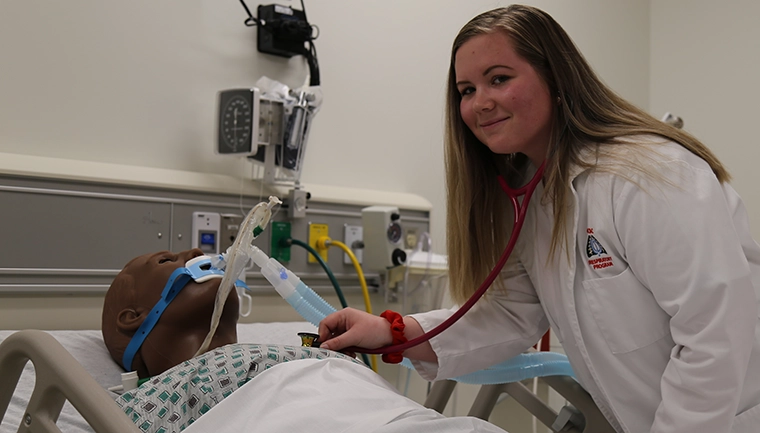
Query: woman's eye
466,91
498,79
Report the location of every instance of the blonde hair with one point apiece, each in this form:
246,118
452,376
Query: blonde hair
588,114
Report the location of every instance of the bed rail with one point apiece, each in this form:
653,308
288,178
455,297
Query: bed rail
580,416
58,377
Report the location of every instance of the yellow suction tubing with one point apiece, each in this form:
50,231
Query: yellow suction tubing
362,282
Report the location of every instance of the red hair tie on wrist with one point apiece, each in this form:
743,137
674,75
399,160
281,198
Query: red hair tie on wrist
397,331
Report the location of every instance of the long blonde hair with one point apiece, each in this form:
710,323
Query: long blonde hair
588,114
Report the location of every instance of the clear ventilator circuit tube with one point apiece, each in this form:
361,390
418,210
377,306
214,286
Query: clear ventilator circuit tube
303,299
313,309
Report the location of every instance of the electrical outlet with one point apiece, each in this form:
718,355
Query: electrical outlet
411,238
280,230
317,231
229,230
351,235
206,227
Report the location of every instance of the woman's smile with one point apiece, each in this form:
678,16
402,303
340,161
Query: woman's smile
489,125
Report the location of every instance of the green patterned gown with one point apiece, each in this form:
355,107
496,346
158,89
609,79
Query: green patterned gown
170,402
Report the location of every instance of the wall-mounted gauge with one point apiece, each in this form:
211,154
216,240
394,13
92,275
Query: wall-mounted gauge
394,232
237,121
382,232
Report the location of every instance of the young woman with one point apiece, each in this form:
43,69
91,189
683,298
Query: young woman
635,250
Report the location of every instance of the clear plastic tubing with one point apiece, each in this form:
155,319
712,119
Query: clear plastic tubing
306,310
313,309
521,367
291,288
313,299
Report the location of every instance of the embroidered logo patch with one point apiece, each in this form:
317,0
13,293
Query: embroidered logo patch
598,258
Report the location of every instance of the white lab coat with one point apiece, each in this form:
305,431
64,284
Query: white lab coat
656,308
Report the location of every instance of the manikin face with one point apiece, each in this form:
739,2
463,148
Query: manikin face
184,324
505,103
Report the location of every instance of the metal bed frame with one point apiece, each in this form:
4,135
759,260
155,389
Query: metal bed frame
58,377
580,416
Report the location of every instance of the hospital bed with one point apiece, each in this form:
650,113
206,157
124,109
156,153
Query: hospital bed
65,387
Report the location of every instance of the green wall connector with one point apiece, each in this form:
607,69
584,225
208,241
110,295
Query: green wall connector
280,230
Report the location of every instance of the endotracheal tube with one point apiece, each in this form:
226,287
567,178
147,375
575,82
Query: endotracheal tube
237,259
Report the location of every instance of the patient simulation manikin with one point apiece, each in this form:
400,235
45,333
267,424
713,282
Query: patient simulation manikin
181,387
184,323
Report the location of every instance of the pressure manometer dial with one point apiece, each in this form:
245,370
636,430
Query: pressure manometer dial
235,121
394,232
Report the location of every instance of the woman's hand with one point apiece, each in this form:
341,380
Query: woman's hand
350,327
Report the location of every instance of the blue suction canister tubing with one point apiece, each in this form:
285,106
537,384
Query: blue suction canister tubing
518,368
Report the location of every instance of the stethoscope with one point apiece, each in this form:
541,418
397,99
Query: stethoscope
519,219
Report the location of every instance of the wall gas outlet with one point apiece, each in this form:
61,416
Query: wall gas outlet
317,231
352,236
280,231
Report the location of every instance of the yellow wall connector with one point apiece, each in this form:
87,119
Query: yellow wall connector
317,231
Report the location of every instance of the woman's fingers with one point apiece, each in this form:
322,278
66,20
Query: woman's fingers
350,327
341,329
332,325
336,343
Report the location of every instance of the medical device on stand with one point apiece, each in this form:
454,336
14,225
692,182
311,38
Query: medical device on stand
424,278
415,277
269,124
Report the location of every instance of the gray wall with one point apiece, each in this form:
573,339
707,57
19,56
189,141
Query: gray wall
134,82
705,62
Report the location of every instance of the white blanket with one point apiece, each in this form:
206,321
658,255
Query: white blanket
330,395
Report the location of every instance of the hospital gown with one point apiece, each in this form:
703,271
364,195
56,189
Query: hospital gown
170,402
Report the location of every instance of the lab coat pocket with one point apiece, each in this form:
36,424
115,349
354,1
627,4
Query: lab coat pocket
626,312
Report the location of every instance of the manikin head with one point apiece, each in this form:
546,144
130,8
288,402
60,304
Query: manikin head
184,323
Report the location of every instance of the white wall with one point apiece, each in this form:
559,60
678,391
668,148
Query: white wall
134,82
705,67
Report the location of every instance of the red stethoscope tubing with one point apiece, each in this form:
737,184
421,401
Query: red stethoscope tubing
514,194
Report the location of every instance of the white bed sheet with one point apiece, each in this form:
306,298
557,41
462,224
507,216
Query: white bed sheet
88,348
330,395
